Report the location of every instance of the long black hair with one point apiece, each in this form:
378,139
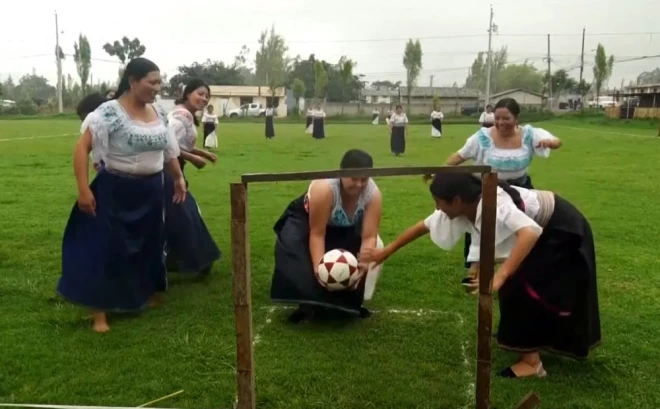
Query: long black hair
190,87
467,187
356,159
89,104
136,69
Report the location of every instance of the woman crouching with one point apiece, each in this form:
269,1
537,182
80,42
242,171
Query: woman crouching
547,283
341,213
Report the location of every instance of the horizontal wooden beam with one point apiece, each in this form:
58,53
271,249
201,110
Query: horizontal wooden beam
531,401
372,172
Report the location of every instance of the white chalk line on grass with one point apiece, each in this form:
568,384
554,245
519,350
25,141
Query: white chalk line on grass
37,137
605,132
469,390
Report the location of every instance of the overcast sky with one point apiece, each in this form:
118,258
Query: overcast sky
372,32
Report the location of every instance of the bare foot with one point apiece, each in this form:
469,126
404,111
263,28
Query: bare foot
523,369
156,300
100,322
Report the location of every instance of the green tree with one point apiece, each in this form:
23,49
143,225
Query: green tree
386,84
125,51
412,60
271,61
298,90
479,70
9,88
82,55
241,65
35,88
602,69
346,66
524,76
211,72
320,80
649,77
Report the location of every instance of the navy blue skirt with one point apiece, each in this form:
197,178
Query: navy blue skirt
189,245
115,261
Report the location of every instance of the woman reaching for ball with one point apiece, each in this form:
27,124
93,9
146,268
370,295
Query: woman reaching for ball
341,213
547,281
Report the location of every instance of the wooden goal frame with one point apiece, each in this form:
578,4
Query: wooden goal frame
241,287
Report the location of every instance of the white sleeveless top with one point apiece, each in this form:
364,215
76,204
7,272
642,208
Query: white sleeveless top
338,216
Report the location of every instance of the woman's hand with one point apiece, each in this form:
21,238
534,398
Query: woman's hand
87,202
373,255
197,162
211,157
180,190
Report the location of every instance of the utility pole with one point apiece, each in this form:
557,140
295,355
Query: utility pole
59,65
549,77
582,71
490,36
431,86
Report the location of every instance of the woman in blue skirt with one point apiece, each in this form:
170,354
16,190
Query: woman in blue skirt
190,246
113,256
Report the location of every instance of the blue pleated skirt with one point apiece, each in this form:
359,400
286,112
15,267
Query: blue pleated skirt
190,247
115,261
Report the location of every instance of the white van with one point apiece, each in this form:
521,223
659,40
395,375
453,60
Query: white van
602,102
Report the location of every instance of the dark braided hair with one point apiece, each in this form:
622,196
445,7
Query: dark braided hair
447,186
137,69
191,86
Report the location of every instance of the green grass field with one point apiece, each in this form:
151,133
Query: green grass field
395,359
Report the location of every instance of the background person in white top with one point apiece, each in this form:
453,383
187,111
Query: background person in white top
436,122
547,285
270,126
398,131
210,126
190,247
114,241
487,118
375,116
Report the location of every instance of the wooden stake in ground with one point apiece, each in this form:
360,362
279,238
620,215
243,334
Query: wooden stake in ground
531,401
242,297
487,269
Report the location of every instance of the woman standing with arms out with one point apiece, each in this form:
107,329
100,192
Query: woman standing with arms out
398,131
507,148
487,118
190,246
319,123
547,285
436,122
309,123
210,121
337,213
270,126
113,245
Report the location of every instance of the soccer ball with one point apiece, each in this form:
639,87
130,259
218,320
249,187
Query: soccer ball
338,270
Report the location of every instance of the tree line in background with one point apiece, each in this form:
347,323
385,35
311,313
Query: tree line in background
308,78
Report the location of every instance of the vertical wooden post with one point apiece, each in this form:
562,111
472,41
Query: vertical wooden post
487,267
242,297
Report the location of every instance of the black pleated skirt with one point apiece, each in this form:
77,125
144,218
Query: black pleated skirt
293,280
551,302
319,128
270,127
398,140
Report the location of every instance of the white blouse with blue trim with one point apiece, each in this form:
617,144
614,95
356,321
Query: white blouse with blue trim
508,163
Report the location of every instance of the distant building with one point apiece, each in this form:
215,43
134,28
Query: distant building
448,95
229,97
522,97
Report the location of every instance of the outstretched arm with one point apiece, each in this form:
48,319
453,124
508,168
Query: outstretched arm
411,234
320,207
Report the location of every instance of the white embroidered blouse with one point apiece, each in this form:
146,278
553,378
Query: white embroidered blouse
127,145
446,232
182,124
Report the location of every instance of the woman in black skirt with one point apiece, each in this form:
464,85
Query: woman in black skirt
210,124
334,213
190,246
398,130
547,280
509,149
319,123
436,122
270,127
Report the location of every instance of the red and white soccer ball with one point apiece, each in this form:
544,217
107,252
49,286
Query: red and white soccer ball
338,270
